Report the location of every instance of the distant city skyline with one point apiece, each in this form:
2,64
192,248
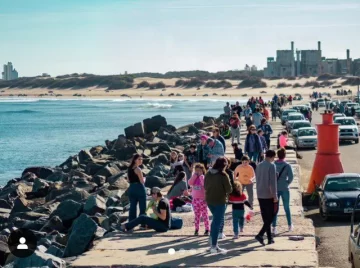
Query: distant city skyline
9,72
111,37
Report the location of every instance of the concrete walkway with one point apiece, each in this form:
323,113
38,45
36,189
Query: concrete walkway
181,248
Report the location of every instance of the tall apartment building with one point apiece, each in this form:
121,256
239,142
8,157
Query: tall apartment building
9,72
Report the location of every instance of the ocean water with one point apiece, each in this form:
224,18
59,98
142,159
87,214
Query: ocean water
47,131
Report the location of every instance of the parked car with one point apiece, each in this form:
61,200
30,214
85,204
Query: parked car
337,194
337,115
292,117
351,104
299,124
354,242
285,114
320,102
348,129
306,137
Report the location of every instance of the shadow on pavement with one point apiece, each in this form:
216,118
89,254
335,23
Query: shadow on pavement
332,222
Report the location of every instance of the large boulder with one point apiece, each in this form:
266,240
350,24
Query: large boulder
40,172
60,195
6,204
95,204
108,171
158,160
4,252
158,147
154,123
136,130
29,177
29,224
20,205
84,156
55,251
125,153
118,182
193,130
209,120
54,223
159,171
92,168
200,125
57,176
154,181
68,211
99,180
82,234
40,259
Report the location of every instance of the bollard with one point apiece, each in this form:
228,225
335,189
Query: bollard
327,159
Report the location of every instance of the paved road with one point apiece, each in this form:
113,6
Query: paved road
333,235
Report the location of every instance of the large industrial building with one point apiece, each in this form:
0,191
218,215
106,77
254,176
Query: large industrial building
290,63
9,72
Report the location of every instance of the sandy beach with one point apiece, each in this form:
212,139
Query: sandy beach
176,92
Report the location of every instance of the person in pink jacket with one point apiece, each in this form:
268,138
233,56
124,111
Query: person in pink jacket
198,193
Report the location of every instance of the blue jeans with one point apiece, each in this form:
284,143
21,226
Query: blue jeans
221,230
144,220
238,220
285,196
218,212
253,156
137,195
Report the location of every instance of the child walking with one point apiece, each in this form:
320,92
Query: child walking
238,200
198,192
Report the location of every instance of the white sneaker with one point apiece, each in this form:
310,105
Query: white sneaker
221,236
217,250
236,236
291,228
274,230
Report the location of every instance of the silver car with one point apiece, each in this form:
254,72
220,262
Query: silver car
285,114
306,137
292,117
348,129
299,124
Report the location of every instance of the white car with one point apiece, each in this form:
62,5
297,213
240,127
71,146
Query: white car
348,129
321,102
292,117
299,124
306,137
337,115
349,105
285,114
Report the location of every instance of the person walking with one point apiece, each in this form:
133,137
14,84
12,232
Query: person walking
238,199
137,190
198,193
217,187
257,116
235,128
237,109
252,144
285,177
227,113
245,174
267,129
216,150
266,188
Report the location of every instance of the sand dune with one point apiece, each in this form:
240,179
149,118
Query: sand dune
102,93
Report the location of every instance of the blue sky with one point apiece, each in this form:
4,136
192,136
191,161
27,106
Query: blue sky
113,36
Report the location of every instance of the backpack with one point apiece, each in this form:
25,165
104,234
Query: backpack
176,223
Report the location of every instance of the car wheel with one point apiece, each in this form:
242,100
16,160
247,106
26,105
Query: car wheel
323,216
357,141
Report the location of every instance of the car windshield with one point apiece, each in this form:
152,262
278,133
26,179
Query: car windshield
319,100
342,184
307,132
346,122
295,117
351,104
302,124
288,112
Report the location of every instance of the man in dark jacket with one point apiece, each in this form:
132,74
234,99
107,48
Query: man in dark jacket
266,128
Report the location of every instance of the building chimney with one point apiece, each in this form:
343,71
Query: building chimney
292,46
348,54
319,45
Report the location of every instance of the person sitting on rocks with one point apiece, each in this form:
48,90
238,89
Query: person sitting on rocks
176,165
284,143
162,211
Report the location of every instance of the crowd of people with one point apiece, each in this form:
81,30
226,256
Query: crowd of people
206,179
